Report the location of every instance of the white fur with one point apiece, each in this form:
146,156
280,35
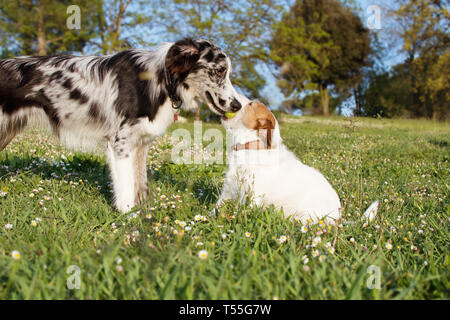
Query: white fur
276,177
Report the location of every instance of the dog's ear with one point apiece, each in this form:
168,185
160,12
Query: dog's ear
182,57
265,127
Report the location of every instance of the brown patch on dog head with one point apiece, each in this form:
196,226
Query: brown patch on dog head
258,117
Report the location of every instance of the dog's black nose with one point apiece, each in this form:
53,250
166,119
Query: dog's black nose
235,105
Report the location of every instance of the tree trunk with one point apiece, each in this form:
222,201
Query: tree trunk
42,39
357,103
324,99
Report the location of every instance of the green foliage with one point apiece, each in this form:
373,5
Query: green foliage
39,27
238,27
148,254
318,44
120,24
423,27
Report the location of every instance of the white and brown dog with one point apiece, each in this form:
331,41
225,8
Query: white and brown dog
263,169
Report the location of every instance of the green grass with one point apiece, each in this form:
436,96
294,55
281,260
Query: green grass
403,163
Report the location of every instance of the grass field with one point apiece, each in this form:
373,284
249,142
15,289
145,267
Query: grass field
55,212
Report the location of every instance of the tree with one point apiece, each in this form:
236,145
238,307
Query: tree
423,27
238,27
119,24
319,44
39,27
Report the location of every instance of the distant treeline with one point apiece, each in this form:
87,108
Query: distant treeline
321,52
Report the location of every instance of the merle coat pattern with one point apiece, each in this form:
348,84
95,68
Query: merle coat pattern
124,100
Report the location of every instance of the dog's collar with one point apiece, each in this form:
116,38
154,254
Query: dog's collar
251,145
171,91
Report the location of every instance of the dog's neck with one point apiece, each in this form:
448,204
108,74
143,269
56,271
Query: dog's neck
251,145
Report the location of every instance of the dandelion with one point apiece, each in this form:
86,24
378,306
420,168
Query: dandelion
248,234
203,254
15,255
8,226
388,246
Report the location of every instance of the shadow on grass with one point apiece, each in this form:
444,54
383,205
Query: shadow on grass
439,143
198,179
90,168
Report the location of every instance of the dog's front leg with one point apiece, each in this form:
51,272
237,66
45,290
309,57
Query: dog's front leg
140,172
122,173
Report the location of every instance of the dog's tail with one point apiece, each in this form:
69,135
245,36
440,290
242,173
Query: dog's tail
11,125
371,212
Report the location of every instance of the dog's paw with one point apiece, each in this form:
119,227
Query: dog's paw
142,195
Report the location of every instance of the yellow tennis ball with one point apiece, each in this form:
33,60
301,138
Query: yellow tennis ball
230,115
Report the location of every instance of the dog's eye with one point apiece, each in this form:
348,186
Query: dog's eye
221,72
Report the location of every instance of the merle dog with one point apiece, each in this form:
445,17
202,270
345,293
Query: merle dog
124,100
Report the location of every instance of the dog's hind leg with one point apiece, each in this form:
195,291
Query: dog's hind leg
140,172
9,128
